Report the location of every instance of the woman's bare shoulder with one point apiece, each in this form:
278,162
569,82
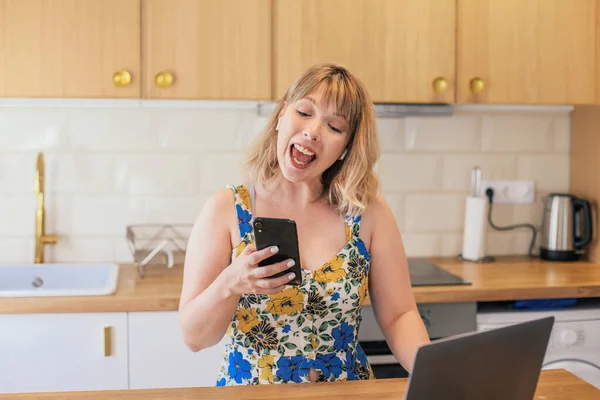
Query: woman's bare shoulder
219,203
377,211
379,205
218,213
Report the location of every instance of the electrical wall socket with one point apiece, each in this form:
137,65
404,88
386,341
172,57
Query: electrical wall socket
511,192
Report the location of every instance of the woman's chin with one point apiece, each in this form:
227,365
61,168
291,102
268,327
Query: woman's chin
297,175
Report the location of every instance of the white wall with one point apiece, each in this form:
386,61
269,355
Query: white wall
109,167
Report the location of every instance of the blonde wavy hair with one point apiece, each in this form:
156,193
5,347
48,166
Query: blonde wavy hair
350,185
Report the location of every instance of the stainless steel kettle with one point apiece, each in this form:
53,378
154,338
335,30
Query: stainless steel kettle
565,216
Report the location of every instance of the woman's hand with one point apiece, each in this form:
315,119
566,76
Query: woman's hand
246,277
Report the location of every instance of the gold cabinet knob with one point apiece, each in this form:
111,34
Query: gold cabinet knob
440,84
477,85
164,79
121,78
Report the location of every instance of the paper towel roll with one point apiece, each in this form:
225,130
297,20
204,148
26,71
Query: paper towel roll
475,228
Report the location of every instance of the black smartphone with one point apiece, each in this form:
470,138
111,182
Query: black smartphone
282,233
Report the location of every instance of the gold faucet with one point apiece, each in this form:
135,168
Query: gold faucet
41,238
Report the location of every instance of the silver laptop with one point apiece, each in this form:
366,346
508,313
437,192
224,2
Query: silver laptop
503,363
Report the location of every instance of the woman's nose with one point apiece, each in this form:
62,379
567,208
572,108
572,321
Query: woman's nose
312,132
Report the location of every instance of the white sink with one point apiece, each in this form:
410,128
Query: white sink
55,279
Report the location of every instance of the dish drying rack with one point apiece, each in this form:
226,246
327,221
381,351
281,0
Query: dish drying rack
162,244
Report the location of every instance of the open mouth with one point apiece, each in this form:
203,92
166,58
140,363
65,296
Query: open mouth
301,156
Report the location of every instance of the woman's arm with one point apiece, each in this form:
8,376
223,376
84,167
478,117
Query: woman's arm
212,286
207,306
390,289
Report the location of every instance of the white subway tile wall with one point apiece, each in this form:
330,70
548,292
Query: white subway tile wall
110,167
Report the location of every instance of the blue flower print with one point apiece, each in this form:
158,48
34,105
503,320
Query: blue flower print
329,364
286,328
335,296
292,368
351,369
362,357
243,220
343,335
221,382
239,369
362,249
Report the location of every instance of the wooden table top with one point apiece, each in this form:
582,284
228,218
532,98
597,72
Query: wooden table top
553,385
509,278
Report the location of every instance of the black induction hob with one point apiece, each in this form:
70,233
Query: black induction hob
424,273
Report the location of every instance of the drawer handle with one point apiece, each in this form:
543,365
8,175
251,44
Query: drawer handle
107,341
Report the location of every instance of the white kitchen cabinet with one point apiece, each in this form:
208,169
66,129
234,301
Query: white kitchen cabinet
63,352
158,357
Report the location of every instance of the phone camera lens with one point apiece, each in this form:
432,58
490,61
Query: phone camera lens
258,225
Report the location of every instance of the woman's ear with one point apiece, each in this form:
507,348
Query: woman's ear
344,154
281,112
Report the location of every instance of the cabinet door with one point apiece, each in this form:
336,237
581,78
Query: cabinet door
63,352
158,357
397,47
207,49
527,52
69,48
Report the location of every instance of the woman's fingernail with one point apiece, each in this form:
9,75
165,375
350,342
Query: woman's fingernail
274,249
291,263
291,276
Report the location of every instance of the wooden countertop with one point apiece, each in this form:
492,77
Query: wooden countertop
513,278
509,278
553,385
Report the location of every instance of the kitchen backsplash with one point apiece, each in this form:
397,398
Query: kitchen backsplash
110,167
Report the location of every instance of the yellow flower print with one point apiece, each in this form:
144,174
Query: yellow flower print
245,199
313,341
288,301
240,247
331,272
348,232
362,290
247,319
229,330
266,364
280,322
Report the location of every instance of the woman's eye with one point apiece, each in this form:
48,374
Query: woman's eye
302,113
333,128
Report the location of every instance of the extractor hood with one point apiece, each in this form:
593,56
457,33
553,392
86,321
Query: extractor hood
385,110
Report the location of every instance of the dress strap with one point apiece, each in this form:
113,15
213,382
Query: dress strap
252,196
352,226
243,208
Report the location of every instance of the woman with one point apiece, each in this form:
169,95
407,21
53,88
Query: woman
314,165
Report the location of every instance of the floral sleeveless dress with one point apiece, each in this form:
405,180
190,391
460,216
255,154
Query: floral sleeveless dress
278,338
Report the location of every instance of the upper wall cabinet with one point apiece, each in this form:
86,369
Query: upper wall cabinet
403,50
526,52
207,49
70,48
